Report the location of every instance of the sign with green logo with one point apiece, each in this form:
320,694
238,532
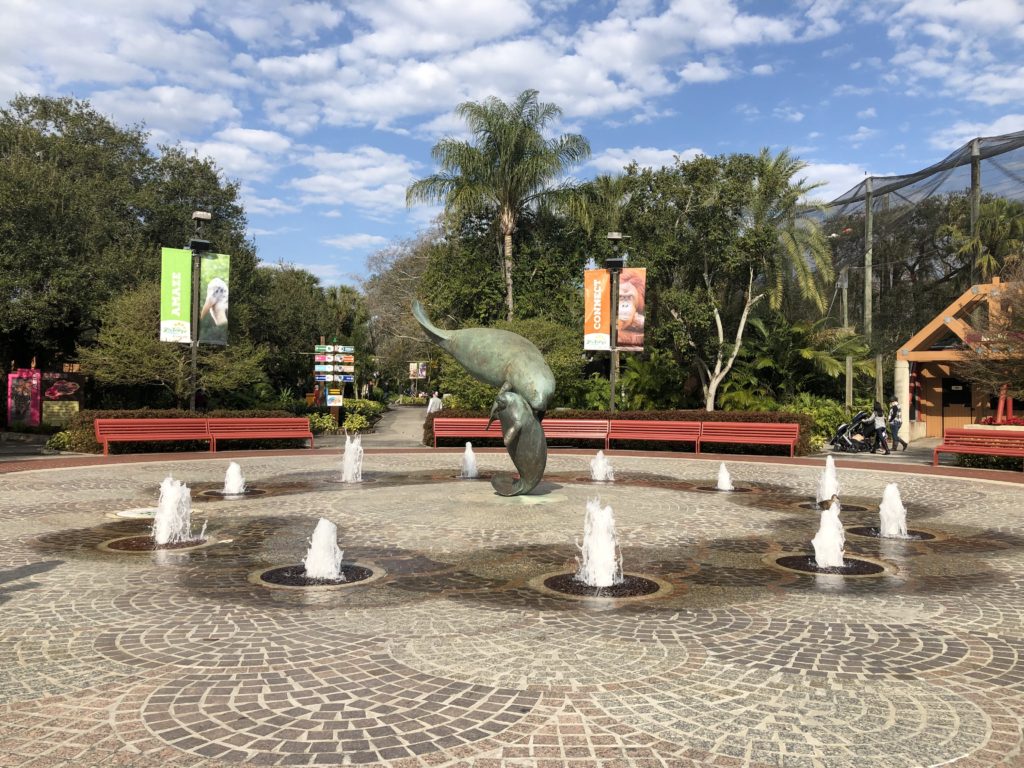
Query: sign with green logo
176,295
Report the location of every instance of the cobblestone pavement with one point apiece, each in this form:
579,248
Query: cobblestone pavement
457,656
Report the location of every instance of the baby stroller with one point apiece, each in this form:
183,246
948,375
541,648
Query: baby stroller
854,436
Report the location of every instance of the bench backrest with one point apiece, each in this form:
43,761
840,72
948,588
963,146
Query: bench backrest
457,426
670,430
282,424
107,428
566,428
749,431
994,437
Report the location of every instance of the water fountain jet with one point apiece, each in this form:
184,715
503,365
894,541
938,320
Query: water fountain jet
724,480
352,461
828,483
469,470
601,469
323,560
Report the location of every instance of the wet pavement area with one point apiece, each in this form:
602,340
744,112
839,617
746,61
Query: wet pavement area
455,655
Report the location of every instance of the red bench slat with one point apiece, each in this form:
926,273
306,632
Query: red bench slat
640,429
986,442
576,429
259,428
143,430
756,433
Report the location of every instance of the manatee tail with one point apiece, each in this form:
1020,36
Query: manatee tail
436,335
504,485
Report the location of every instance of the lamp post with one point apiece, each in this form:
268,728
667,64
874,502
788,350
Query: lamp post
198,248
614,264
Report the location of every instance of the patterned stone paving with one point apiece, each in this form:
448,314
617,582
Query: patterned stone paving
454,658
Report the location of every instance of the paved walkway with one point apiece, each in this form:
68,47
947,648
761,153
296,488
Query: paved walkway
457,654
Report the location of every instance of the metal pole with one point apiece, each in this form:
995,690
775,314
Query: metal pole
195,327
844,281
868,277
975,201
613,373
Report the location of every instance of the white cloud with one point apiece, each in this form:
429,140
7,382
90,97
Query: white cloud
961,132
862,134
169,108
367,178
788,114
355,242
267,206
866,113
708,71
835,178
762,70
615,159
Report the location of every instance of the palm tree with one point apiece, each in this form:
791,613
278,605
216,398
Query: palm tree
508,168
795,248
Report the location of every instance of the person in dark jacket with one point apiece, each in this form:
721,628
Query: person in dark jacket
880,439
895,422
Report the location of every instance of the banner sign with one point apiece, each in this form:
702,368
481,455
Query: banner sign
596,309
176,295
214,273
417,370
629,320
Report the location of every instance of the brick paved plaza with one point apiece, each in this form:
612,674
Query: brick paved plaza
457,656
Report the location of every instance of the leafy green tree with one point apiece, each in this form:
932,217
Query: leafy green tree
508,169
719,236
293,313
85,206
128,353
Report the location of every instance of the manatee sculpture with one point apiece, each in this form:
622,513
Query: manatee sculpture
524,440
513,364
500,358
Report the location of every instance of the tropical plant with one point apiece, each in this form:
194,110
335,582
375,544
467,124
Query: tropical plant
508,168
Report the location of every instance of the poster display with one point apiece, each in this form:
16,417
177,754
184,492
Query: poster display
417,370
214,278
24,397
176,295
596,309
629,320
61,398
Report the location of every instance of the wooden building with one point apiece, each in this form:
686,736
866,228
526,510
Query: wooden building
934,398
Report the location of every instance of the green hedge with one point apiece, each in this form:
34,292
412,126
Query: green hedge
80,435
803,446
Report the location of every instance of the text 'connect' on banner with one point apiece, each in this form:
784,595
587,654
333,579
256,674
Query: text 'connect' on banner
597,303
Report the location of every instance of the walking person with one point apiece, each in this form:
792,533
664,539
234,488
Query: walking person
895,422
879,423
435,404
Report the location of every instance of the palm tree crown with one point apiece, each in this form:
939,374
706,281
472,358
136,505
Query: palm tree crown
509,167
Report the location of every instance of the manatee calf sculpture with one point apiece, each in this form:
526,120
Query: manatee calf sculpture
525,442
513,364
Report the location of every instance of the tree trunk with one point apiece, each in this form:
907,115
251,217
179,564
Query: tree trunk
507,264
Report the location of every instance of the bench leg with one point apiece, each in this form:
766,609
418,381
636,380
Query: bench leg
213,445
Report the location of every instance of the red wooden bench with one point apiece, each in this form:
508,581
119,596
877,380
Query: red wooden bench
453,426
144,430
565,429
661,431
989,442
750,433
259,429
576,429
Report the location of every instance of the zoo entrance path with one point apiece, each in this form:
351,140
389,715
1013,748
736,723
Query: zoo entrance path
456,656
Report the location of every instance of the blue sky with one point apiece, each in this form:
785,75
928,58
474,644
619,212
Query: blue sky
326,111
